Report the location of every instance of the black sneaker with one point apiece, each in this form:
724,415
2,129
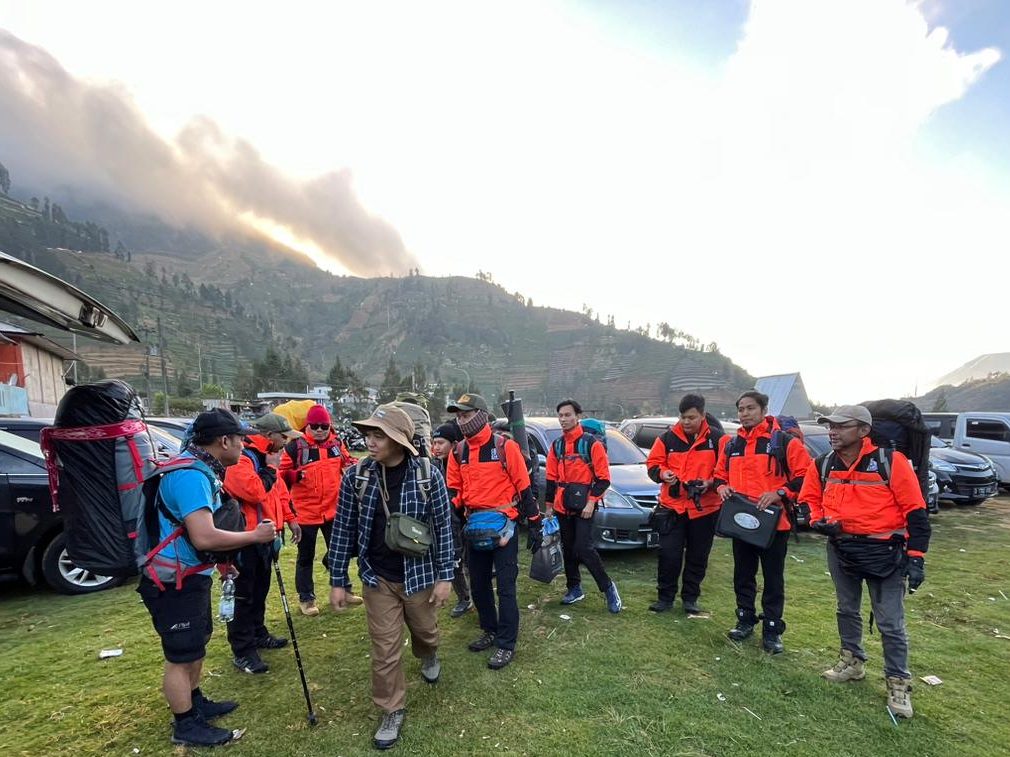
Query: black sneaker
485,641
745,622
660,605
271,642
210,709
195,731
462,607
691,607
251,663
500,658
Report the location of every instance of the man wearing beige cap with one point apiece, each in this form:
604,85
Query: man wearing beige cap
394,486
867,500
263,495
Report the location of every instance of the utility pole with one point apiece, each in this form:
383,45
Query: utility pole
75,358
164,369
199,366
147,367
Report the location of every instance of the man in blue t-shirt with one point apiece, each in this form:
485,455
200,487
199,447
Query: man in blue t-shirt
182,616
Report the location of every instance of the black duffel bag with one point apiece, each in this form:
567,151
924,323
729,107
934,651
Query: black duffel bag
575,497
866,557
739,518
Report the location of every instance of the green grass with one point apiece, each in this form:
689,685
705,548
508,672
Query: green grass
636,684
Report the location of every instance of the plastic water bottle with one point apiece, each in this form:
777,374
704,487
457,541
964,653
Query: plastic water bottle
226,609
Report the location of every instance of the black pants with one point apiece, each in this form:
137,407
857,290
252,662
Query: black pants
773,569
577,547
503,622
306,556
251,589
683,542
460,552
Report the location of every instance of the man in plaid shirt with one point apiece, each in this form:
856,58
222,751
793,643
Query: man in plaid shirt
398,588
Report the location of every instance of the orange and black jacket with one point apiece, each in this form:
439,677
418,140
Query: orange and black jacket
749,468
262,493
690,459
313,470
572,469
477,478
864,502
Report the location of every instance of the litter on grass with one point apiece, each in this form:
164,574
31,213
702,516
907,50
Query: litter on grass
105,654
894,719
797,559
565,617
931,680
753,713
721,697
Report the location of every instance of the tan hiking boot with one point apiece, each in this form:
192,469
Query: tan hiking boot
848,668
899,696
308,607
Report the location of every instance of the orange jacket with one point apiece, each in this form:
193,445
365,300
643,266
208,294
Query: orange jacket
690,461
481,482
312,470
572,469
748,468
861,500
243,482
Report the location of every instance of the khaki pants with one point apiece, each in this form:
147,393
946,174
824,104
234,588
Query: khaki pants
387,608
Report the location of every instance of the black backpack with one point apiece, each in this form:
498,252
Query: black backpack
898,425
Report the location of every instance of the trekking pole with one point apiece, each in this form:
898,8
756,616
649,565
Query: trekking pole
294,641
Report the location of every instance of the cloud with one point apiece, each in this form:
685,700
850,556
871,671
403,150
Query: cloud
63,130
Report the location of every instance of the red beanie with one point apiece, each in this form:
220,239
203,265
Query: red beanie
317,414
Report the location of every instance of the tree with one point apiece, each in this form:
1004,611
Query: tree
940,405
392,382
213,392
5,179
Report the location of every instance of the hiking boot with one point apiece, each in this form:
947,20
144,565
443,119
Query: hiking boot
485,641
771,636
462,607
251,663
388,732
614,603
745,622
660,605
353,599
575,594
501,658
308,607
848,668
209,709
691,607
195,731
431,668
271,642
899,696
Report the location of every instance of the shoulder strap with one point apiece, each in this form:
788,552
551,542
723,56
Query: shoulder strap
424,479
499,445
559,448
585,448
252,456
362,475
885,455
824,463
303,452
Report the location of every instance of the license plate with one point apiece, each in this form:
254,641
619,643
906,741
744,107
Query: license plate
983,491
652,539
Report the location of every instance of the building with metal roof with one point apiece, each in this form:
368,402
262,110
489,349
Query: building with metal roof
786,395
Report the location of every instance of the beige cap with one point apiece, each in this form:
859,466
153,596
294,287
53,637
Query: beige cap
393,422
847,413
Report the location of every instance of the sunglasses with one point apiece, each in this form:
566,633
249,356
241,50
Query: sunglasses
319,426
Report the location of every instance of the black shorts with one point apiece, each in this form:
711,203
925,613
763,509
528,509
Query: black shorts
181,617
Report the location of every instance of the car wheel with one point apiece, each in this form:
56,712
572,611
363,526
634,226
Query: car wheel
65,577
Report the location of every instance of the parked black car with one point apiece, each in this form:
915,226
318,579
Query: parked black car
965,478
622,521
31,534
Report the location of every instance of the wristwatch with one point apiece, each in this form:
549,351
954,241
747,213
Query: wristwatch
783,494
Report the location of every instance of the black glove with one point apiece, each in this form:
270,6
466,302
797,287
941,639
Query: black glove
915,569
827,527
535,536
802,512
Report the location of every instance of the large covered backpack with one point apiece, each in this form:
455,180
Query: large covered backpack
898,424
778,445
98,455
422,425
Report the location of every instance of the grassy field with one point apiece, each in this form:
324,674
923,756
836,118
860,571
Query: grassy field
636,684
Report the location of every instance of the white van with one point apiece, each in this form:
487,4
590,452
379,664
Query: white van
986,434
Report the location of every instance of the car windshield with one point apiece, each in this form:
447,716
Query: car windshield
937,443
172,429
620,450
818,444
21,444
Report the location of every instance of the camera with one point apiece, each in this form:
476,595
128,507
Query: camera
695,488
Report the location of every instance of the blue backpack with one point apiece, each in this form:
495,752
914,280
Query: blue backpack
593,430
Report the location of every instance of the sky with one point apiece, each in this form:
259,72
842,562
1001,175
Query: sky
815,186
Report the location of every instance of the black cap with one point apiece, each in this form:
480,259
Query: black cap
218,422
467,401
575,406
448,431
